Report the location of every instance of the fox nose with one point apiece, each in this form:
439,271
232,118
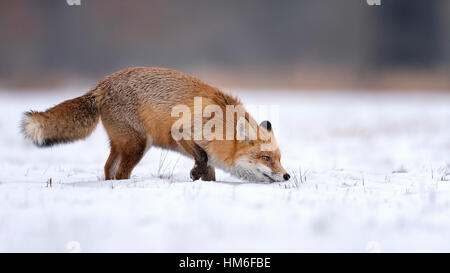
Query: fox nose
286,176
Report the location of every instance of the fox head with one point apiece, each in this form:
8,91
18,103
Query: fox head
258,159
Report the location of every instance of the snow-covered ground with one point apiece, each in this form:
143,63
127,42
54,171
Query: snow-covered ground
371,173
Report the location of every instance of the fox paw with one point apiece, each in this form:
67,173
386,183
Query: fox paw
195,174
198,171
206,173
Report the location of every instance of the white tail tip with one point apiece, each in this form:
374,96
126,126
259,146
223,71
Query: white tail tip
33,129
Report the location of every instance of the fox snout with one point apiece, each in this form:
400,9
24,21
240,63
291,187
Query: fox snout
277,172
251,170
278,177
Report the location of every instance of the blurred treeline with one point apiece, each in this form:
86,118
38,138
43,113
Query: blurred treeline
302,44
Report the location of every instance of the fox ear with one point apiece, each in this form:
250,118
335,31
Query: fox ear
266,124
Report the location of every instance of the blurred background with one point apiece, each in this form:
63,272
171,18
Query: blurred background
303,44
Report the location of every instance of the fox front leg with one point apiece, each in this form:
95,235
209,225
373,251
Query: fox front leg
210,175
207,173
201,168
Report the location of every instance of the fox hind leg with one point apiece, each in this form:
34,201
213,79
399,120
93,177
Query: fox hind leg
128,136
130,154
112,162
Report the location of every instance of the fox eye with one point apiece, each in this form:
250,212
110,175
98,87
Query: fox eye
267,158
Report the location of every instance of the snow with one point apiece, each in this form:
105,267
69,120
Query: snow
371,173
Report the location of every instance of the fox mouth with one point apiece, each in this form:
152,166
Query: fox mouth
270,178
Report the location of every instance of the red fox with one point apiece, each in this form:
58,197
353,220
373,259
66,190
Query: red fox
135,106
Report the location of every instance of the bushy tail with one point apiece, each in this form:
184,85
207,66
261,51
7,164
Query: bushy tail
66,122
